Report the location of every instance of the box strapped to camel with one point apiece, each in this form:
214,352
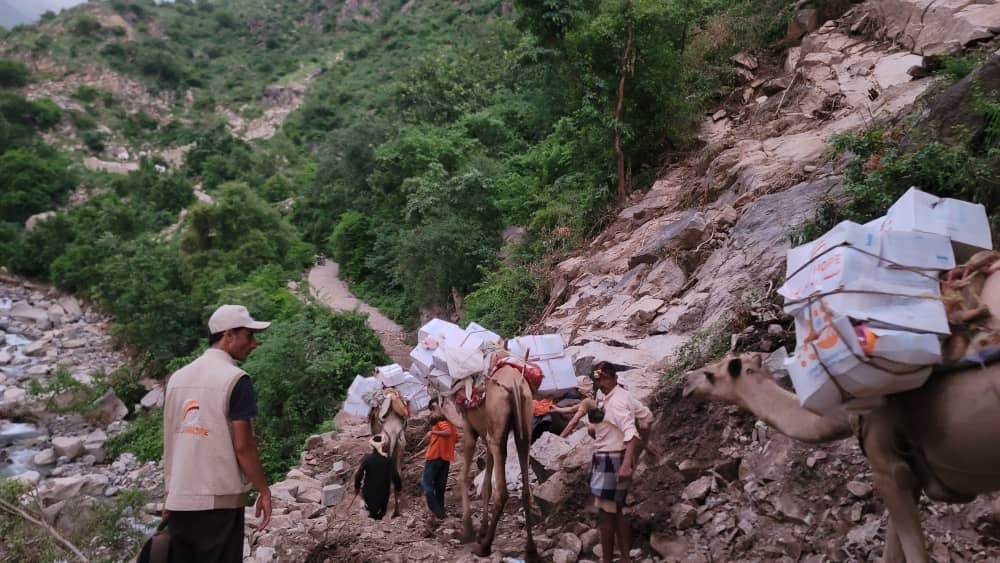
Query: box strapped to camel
873,303
470,392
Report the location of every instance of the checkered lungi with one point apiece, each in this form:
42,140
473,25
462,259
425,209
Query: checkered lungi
604,482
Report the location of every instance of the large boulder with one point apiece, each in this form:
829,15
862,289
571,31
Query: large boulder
67,446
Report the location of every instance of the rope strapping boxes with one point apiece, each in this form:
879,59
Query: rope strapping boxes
866,300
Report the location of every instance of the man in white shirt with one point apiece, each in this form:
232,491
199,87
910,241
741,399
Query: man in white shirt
615,440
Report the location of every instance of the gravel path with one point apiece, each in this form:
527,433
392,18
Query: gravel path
326,286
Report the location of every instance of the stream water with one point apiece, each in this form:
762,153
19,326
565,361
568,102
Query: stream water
17,439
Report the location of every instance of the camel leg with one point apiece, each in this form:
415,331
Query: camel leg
523,447
486,493
498,448
468,450
893,547
897,485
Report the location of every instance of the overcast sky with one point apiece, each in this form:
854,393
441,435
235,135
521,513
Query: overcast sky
32,9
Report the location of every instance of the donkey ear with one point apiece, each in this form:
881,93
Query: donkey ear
735,367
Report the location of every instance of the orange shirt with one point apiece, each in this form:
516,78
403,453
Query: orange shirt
441,447
540,407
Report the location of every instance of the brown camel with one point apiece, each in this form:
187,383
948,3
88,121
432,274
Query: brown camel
939,439
394,427
507,407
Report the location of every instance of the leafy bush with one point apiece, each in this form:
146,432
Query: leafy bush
143,438
13,74
350,244
505,300
86,26
87,94
301,371
30,183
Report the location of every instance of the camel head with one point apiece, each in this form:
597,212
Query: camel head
723,380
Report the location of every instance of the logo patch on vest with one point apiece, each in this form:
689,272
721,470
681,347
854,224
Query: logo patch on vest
190,419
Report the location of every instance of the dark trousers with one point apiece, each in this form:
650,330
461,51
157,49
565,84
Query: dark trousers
206,536
539,426
434,481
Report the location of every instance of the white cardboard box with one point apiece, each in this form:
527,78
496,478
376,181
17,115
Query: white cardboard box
845,269
845,233
422,361
484,334
884,311
926,251
560,376
964,223
439,329
390,375
834,353
357,394
538,346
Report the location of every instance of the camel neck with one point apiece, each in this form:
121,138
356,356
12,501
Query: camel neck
780,408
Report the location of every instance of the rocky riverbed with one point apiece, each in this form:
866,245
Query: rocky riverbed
47,336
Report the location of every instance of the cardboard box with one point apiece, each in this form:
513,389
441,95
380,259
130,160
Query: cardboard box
882,311
483,334
537,346
560,377
441,380
390,375
846,269
832,358
358,395
441,330
422,361
925,251
964,223
415,392
845,233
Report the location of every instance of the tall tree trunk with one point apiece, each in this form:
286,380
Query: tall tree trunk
626,69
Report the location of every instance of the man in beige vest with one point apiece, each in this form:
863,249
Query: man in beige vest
210,453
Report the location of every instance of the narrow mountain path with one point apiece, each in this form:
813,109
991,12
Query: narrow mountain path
327,287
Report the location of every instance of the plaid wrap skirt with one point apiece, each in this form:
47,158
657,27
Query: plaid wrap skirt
604,481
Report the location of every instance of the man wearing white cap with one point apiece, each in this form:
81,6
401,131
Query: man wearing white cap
210,453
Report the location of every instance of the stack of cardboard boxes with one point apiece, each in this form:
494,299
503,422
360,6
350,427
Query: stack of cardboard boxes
866,300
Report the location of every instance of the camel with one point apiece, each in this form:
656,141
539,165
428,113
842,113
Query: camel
506,407
939,439
394,427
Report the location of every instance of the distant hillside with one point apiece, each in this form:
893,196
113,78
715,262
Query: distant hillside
11,16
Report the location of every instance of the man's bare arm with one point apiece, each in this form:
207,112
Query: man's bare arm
245,446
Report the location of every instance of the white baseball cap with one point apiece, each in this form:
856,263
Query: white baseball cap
228,317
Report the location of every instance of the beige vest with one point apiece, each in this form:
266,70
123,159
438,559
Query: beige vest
200,467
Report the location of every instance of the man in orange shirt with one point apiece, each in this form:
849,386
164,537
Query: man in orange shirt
440,453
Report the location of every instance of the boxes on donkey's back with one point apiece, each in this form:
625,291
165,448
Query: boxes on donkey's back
965,224
857,275
390,375
358,394
831,358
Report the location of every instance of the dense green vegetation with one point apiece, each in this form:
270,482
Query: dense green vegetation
428,128
888,161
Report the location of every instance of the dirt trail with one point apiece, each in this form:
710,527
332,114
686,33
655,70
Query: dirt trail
326,286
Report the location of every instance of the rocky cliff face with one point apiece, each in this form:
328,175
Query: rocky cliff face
714,229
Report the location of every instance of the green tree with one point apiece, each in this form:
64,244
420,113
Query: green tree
30,184
13,74
301,372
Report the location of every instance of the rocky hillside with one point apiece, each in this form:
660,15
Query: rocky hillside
700,253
